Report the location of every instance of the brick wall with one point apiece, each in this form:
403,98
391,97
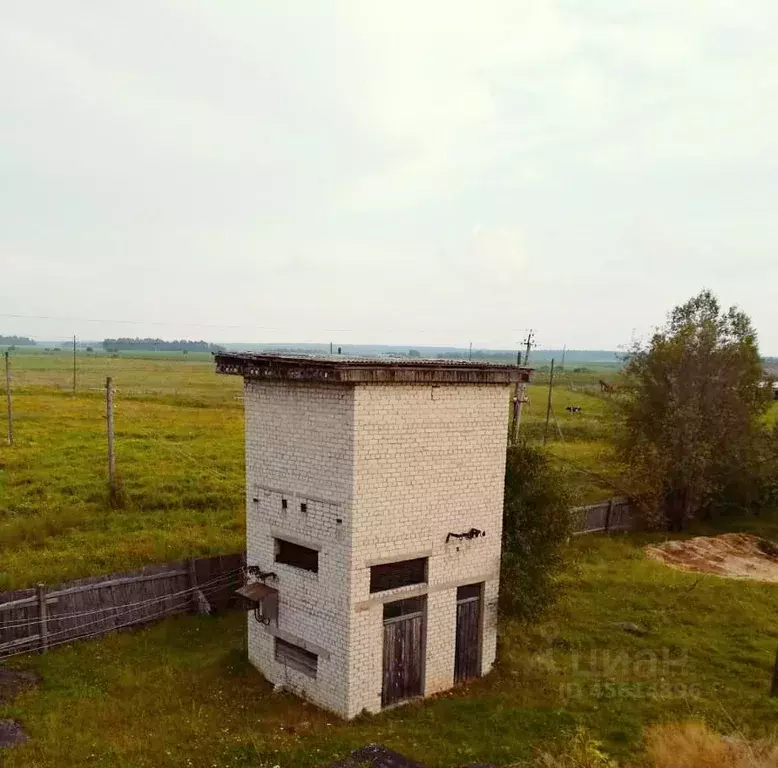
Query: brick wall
299,447
428,461
400,466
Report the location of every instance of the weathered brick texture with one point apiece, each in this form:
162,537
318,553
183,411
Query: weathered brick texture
386,472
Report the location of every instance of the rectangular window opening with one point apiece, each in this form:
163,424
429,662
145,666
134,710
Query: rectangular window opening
403,607
296,555
283,504
469,591
303,507
401,574
296,658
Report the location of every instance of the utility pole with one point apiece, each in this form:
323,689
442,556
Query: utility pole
521,390
564,352
548,408
8,398
530,342
74,365
470,354
109,419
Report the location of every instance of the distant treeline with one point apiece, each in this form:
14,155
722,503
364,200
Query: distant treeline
16,341
160,345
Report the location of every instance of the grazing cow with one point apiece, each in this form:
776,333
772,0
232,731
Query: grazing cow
605,387
574,409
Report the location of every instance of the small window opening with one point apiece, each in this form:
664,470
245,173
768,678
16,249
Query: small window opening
296,658
283,504
294,554
401,574
303,507
403,608
469,591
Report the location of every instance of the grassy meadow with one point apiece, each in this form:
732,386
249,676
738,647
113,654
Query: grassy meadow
179,454
181,693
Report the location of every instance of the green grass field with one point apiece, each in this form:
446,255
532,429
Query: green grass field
179,448
179,452
181,693
580,441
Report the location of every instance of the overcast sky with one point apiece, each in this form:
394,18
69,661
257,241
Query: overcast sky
401,172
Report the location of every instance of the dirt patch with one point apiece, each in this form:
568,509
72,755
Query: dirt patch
11,733
13,681
734,555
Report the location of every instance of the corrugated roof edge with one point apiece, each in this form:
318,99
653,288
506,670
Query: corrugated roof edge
341,369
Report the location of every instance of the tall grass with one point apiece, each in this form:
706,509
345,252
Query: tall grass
692,745
182,476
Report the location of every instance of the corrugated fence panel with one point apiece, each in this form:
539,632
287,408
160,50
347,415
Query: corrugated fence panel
100,604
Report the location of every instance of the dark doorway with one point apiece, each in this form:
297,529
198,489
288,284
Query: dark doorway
467,657
403,650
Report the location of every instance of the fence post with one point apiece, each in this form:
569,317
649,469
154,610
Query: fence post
109,420
43,630
8,398
190,566
608,515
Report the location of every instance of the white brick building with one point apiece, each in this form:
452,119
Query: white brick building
374,509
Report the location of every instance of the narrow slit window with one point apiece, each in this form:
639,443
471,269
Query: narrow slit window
296,555
295,657
400,574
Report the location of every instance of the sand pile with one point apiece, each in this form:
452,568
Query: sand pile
735,555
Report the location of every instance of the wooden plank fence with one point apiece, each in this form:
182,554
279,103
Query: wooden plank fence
43,617
613,515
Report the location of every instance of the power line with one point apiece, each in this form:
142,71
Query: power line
99,633
207,587
183,454
170,323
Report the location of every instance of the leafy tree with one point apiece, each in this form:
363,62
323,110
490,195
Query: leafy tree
766,483
692,408
537,522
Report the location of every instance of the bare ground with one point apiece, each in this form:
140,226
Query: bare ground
734,555
13,682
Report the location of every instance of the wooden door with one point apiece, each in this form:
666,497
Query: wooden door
467,655
403,650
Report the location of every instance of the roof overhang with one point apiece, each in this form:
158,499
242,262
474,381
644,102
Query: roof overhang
256,592
349,370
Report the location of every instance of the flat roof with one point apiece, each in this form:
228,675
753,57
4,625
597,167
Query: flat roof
341,369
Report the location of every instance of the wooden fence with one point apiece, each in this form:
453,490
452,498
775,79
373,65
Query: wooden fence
613,515
43,617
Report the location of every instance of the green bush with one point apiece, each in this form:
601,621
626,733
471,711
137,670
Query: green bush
537,523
